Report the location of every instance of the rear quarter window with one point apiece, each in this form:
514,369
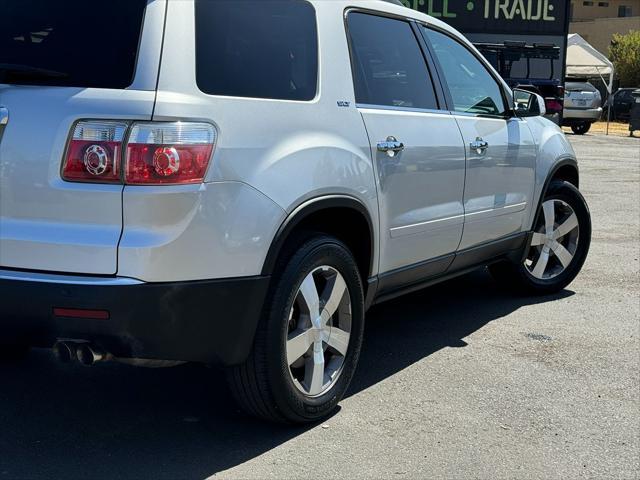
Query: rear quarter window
257,49
77,43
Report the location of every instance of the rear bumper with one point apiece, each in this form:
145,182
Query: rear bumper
584,114
209,321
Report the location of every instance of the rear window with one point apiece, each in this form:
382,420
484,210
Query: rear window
76,43
257,48
579,87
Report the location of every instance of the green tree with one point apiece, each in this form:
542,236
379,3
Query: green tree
625,55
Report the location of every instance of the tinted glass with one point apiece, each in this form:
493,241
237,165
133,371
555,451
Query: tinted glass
72,43
472,87
260,49
388,65
579,87
527,62
624,95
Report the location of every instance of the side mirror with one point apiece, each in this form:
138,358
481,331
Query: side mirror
528,104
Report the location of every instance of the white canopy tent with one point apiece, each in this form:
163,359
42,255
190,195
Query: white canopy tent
585,61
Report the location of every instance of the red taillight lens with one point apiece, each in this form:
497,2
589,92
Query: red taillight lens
94,152
552,105
169,153
155,154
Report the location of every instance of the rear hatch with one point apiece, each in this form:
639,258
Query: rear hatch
581,96
61,63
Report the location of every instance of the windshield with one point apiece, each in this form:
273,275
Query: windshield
76,43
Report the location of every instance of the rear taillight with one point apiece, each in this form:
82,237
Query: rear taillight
169,153
139,154
552,105
94,153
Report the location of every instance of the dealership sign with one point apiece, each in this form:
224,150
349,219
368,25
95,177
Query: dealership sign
544,17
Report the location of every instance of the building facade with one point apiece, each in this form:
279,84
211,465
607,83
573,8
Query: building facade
598,20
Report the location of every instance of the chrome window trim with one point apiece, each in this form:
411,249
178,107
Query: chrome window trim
488,116
66,279
367,106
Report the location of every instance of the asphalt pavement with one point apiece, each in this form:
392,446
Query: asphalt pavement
460,381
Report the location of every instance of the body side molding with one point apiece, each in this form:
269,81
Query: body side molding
424,274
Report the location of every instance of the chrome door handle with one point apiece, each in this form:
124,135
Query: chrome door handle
390,146
479,146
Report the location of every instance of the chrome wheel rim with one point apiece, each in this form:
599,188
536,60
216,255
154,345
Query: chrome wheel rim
554,242
318,333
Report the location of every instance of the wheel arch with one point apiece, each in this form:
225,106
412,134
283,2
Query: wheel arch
329,214
565,170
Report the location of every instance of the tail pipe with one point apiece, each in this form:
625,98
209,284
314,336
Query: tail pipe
89,355
65,352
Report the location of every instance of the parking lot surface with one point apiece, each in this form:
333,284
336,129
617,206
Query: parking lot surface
461,380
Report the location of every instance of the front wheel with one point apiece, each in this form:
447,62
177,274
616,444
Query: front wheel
308,342
581,128
557,248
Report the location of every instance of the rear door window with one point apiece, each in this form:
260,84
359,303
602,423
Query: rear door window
389,68
77,43
257,48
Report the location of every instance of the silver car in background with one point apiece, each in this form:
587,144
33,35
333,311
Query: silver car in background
582,106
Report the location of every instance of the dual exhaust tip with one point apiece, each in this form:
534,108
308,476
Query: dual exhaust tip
85,353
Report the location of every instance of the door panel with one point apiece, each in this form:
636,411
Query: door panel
500,180
500,151
421,180
421,188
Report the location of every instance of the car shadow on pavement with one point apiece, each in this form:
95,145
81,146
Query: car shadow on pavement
114,421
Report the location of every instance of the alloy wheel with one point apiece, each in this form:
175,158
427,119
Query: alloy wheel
319,330
554,242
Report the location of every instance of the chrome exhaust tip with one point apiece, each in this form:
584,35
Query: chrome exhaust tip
65,352
88,355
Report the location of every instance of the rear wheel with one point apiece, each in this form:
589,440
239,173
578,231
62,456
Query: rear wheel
581,128
558,247
308,342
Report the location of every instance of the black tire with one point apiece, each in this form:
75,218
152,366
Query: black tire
581,128
516,276
263,385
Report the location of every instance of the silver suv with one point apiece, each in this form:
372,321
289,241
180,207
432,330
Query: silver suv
236,183
582,106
